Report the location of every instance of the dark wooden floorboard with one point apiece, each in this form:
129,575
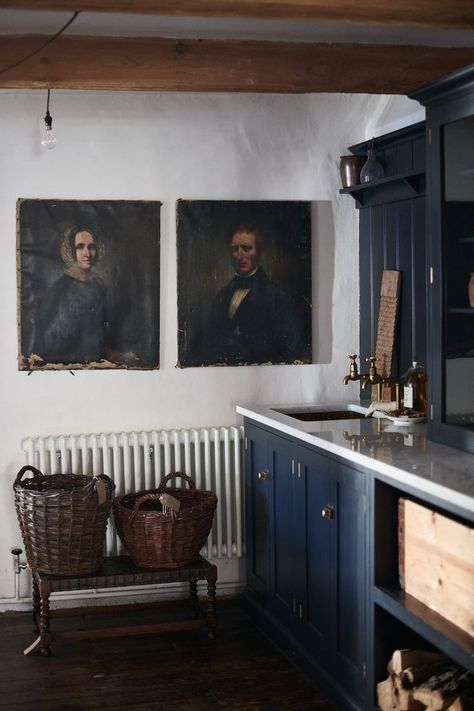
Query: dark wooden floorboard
177,671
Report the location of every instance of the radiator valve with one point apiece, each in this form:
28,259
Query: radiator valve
19,565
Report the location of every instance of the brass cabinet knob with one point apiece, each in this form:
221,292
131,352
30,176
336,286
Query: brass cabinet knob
328,512
264,475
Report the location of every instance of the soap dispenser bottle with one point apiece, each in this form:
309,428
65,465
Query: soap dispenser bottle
414,389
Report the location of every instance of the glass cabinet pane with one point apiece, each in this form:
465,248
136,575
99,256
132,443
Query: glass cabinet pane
458,238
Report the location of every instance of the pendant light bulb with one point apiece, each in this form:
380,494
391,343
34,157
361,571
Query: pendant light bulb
49,139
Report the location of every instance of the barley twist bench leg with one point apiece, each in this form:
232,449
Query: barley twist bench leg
211,616
194,598
36,602
45,633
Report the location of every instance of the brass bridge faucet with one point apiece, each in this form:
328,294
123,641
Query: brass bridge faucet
372,378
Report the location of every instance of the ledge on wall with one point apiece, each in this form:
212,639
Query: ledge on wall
402,155
392,189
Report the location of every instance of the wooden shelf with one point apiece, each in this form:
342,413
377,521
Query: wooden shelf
461,310
392,189
450,639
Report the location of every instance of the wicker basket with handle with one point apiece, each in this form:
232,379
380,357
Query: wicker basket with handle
159,538
63,520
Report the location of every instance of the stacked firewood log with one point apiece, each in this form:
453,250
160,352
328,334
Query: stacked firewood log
419,680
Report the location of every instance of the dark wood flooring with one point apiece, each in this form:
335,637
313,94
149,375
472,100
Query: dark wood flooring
177,671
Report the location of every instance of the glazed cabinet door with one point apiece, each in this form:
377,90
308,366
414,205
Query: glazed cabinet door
450,152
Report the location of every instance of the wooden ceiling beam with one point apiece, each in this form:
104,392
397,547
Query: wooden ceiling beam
151,64
422,13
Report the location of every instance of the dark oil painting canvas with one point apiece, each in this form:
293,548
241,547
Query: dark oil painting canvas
88,284
244,282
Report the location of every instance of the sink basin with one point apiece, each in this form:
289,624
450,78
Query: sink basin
313,413
322,415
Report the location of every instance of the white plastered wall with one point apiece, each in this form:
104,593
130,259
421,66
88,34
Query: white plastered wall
164,147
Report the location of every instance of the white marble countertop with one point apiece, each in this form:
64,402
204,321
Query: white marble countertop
402,455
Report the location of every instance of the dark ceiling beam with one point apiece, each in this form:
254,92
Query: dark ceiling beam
151,64
422,13
157,64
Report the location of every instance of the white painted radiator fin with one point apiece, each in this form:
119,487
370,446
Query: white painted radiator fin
74,455
177,466
197,459
149,483
139,460
155,438
64,454
238,498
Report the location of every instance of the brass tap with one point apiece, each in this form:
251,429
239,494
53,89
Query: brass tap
372,376
378,380
353,372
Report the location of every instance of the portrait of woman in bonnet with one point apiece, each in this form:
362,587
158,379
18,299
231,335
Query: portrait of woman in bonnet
73,322
69,250
88,275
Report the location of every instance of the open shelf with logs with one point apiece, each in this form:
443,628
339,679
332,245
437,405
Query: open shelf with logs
402,621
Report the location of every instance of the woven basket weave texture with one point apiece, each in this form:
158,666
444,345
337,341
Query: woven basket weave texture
157,538
63,520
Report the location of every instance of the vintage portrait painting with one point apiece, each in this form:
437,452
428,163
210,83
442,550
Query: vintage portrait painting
88,274
244,282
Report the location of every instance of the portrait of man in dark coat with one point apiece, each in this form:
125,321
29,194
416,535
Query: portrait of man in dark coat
88,284
255,317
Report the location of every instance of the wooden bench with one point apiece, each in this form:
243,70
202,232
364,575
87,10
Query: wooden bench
119,571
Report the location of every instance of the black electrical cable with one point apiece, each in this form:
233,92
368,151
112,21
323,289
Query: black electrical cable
45,44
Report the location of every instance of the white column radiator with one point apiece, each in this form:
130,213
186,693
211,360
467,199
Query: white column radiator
138,460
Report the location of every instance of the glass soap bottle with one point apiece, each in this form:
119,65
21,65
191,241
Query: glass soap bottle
414,389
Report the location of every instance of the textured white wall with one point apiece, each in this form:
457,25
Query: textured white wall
165,147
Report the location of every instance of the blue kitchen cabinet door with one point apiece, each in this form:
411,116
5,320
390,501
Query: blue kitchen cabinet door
321,565
274,510
335,537
288,553
258,509
352,579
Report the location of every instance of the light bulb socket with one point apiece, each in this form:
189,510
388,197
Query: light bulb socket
48,121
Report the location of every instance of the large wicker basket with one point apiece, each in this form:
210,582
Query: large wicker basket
159,538
63,520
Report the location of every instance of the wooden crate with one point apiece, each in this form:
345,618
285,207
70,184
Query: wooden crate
436,562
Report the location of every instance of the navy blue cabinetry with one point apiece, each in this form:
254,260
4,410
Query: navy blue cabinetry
259,503
392,235
450,122
287,520
335,546
306,548
350,553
